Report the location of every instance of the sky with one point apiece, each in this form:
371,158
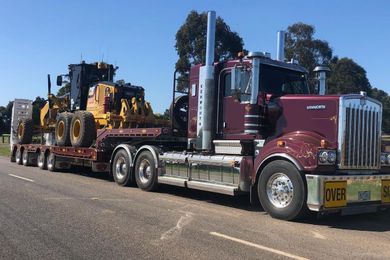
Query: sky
43,36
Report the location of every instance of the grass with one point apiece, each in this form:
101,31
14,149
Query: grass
4,150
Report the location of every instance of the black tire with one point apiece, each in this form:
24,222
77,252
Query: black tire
121,169
25,131
82,129
25,158
18,157
286,205
62,130
42,161
146,172
51,162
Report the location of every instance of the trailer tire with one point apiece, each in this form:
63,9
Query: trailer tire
146,171
51,162
281,190
18,156
122,170
25,158
25,131
62,129
42,161
82,129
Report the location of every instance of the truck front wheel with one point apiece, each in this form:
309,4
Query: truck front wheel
146,172
282,191
121,169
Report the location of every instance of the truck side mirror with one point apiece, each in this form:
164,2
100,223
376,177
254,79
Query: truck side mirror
235,79
59,80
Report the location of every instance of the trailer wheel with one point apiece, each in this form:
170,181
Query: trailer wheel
18,156
121,169
25,131
146,172
82,129
281,191
42,161
62,129
51,162
25,158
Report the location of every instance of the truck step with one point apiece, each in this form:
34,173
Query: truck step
199,185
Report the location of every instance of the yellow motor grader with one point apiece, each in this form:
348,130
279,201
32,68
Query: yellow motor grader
94,102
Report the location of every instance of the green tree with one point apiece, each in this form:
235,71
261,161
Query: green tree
65,89
347,76
191,43
310,52
384,98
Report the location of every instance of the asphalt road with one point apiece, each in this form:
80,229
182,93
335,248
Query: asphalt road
82,215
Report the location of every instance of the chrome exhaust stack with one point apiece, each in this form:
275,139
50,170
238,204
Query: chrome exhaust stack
280,46
206,106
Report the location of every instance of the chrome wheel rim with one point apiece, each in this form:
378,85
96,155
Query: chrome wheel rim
120,168
41,160
280,190
144,171
25,157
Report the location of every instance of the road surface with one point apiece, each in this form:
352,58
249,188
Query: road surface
82,215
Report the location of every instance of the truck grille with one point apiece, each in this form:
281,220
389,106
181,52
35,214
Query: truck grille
360,132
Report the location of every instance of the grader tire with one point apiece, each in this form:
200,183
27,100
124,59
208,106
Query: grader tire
82,129
25,131
62,129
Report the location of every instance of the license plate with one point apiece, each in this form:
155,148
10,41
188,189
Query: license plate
364,196
335,194
385,191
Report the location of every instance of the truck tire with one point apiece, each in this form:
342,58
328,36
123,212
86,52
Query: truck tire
42,161
146,172
121,169
25,131
25,158
18,157
82,129
62,129
281,190
51,162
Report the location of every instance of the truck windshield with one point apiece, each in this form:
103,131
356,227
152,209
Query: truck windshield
281,81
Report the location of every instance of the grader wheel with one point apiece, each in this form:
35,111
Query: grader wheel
82,129
62,129
25,131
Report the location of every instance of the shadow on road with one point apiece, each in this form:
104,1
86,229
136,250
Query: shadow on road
379,221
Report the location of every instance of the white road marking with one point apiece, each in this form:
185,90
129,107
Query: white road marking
22,178
318,235
176,230
268,249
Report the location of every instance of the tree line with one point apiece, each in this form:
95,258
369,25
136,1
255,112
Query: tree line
346,76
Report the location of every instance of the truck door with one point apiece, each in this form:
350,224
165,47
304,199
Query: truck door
233,108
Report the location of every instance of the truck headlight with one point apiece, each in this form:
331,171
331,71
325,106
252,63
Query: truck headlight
327,157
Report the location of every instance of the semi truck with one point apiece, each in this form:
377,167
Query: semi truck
247,126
